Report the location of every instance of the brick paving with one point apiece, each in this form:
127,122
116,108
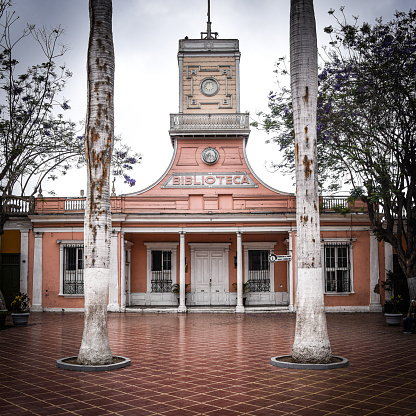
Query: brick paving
207,364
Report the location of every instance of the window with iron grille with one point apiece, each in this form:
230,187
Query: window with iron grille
161,271
259,270
73,270
337,268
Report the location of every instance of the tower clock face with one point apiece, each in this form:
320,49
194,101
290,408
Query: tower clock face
209,86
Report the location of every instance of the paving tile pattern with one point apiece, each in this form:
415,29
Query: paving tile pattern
207,364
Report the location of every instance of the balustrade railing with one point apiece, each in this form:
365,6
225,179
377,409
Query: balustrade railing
76,204
331,202
18,205
209,121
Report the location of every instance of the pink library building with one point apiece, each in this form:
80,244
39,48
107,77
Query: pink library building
208,235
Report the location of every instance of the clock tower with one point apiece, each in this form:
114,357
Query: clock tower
209,90
209,74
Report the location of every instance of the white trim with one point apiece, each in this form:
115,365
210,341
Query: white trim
213,246
113,287
351,309
346,241
206,230
37,274
259,297
156,298
62,245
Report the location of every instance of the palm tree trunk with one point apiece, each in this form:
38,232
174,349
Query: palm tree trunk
311,344
95,347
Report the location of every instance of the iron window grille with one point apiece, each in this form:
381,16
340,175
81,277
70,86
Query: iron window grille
161,271
73,272
337,267
259,270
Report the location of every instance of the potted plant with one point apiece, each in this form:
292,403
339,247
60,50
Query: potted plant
392,306
20,308
176,288
246,289
392,310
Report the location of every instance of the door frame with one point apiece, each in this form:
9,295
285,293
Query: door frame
225,247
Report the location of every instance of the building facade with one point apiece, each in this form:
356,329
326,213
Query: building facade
208,234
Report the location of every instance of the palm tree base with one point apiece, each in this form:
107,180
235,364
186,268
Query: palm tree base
70,363
285,361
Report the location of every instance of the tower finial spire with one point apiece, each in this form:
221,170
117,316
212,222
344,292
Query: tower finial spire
208,33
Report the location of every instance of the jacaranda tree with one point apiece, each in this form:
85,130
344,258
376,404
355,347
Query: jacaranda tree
36,141
366,125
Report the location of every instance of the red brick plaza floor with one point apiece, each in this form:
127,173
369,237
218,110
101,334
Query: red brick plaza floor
207,364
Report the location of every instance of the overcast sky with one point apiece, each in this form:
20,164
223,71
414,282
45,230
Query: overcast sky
146,35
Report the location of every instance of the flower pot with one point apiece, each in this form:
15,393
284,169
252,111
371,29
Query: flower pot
393,319
20,319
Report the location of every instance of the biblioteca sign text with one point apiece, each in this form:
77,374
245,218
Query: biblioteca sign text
209,180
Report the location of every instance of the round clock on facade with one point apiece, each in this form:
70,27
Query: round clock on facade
209,86
210,156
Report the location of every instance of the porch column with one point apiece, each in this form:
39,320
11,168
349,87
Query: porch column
182,307
24,258
113,305
123,291
37,275
239,308
290,273
375,305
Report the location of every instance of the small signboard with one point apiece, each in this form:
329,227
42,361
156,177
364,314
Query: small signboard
283,257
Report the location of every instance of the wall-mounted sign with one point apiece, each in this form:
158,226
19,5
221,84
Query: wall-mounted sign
210,180
282,257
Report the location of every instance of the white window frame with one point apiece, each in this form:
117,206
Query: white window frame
340,241
259,246
62,245
153,246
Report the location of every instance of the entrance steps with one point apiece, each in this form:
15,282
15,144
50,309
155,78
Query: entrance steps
207,309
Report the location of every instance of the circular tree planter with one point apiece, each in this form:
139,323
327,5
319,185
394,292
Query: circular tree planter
285,361
69,363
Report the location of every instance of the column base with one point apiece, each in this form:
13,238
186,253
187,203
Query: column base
181,309
239,309
375,307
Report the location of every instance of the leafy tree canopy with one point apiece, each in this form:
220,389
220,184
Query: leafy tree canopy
36,140
366,124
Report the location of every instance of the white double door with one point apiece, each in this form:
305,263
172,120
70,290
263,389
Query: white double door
209,284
